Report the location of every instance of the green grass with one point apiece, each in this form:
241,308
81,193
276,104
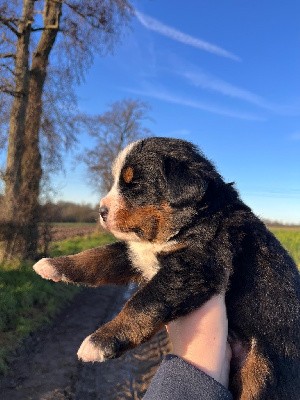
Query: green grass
290,239
27,301
80,243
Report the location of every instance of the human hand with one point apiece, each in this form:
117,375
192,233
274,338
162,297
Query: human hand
200,338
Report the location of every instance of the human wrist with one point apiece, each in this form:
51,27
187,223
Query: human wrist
200,339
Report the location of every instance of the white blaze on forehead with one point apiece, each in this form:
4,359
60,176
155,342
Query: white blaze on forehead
113,199
120,160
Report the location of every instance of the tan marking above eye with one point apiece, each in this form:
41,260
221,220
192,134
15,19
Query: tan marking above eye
127,174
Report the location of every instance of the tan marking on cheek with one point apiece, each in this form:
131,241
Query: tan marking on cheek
149,222
127,174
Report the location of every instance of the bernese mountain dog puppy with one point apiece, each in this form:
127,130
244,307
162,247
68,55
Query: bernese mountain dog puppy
184,236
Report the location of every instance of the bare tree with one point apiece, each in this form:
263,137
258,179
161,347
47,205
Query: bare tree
113,130
30,30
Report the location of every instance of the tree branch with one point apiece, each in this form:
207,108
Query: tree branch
7,55
37,29
75,9
6,40
88,16
11,92
8,24
7,67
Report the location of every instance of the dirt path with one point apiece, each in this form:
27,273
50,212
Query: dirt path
47,368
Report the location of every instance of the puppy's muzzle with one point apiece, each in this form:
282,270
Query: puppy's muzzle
103,211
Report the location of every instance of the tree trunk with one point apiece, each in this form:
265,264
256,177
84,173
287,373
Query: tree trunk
11,217
24,172
31,162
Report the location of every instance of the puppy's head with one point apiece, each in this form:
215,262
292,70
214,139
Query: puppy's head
158,185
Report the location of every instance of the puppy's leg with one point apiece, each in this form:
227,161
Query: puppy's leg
128,329
154,305
95,267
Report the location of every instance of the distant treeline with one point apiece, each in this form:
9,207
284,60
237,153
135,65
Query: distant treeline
65,211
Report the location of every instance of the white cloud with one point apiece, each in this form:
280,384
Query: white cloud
207,81
198,78
163,95
165,30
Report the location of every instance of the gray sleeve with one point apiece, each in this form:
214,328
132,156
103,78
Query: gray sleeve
176,379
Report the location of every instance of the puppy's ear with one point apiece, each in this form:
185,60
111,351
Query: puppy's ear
184,185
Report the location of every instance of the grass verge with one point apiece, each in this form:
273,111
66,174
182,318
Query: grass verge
28,301
290,239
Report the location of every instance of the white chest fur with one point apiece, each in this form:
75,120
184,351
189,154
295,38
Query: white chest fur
144,256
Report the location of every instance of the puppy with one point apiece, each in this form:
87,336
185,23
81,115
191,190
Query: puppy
184,236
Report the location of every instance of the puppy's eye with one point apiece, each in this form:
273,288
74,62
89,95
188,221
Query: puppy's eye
128,174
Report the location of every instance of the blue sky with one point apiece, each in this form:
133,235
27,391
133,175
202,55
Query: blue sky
222,74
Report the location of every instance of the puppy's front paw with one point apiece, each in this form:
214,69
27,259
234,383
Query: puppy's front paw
46,270
102,345
90,352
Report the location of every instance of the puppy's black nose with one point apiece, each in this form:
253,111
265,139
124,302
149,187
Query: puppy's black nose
103,211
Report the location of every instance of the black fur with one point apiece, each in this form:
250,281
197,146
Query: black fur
221,246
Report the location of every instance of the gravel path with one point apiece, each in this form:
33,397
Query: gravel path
46,367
